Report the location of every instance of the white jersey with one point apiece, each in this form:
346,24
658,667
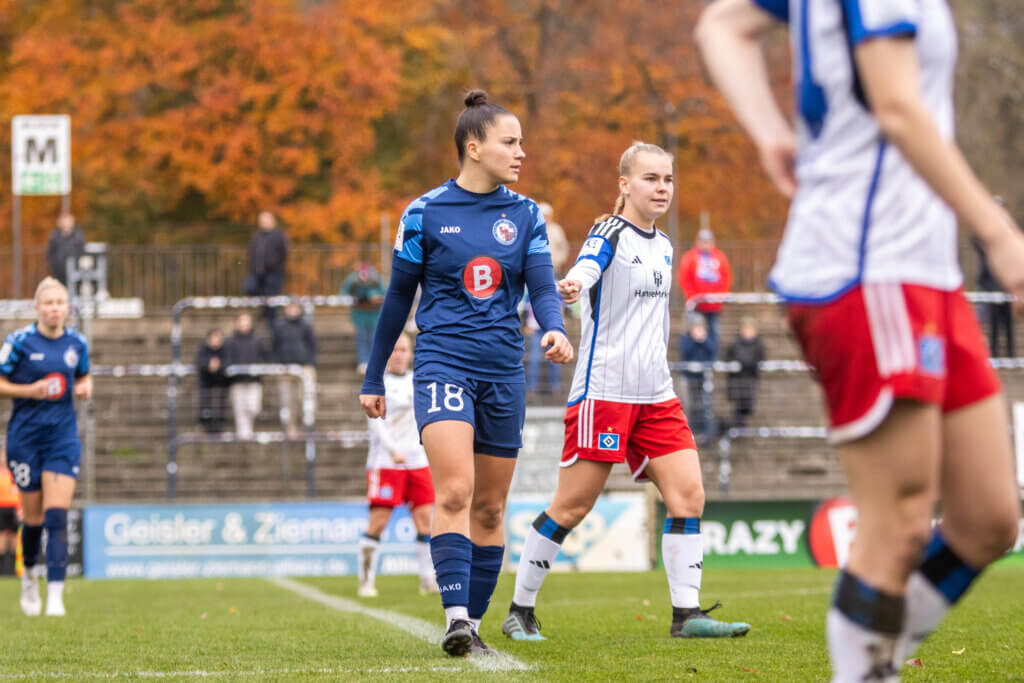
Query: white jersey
627,276
398,432
861,213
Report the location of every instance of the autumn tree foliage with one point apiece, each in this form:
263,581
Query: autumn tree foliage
190,117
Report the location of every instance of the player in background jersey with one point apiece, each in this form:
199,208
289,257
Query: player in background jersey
868,264
42,366
622,407
470,245
397,473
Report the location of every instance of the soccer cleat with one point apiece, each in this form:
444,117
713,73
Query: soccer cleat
479,646
54,606
366,590
31,604
521,624
429,587
458,641
694,622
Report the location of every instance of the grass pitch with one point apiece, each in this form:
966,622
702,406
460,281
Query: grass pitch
599,627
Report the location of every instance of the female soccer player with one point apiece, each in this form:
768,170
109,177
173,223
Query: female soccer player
41,367
869,266
397,473
470,244
622,407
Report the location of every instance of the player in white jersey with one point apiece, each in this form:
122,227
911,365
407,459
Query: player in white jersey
622,407
868,265
397,473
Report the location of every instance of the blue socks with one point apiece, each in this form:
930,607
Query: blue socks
31,542
483,577
944,569
452,555
55,522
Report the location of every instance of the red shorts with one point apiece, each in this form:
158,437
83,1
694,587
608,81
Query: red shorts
634,433
887,341
392,487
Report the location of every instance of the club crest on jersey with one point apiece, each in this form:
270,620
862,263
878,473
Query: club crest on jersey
482,277
931,355
504,231
608,441
70,358
657,278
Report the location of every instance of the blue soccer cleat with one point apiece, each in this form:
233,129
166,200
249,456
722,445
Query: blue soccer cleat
521,624
694,622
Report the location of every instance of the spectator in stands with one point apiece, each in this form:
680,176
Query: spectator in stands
268,256
246,392
531,330
367,292
213,383
705,270
66,241
695,347
10,518
294,343
741,387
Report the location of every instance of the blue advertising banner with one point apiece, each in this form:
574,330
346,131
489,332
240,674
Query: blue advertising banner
243,539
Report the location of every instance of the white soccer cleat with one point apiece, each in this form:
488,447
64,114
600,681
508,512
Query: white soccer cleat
366,590
31,604
54,606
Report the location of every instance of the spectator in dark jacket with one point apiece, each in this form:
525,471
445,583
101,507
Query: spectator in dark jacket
741,387
213,383
246,392
268,255
367,291
696,346
294,343
66,241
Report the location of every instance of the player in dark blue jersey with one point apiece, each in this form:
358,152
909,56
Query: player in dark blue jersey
42,366
471,245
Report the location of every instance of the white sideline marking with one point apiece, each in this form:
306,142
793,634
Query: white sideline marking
253,673
498,661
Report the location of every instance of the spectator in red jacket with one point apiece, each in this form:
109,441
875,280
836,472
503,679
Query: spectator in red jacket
705,270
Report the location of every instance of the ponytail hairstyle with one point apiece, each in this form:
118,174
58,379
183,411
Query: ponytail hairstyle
474,120
626,166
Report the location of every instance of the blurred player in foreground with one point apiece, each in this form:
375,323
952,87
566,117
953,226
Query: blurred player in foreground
43,366
869,267
397,473
622,407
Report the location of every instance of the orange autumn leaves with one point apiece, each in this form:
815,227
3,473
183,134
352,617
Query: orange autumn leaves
190,117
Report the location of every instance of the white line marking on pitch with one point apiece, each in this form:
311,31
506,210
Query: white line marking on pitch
498,661
200,673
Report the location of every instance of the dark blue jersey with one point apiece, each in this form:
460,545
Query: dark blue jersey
28,356
470,252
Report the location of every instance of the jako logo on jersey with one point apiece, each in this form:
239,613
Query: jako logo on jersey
608,441
70,358
55,386
482,277
931,355
450,230
37,356
504,231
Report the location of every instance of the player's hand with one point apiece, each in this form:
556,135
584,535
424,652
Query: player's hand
39,390
399,458
1006,256
373,405
570,290
83,388
561,349
778,157
214,364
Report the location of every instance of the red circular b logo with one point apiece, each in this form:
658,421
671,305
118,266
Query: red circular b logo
482,277
55,386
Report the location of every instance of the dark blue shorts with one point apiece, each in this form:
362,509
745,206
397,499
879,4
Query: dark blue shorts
495,409
32,450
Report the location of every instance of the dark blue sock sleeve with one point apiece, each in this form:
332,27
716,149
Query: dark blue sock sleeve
544,297
405,277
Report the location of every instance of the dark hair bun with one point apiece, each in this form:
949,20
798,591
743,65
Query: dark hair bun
475,98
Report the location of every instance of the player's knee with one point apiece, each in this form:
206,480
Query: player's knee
55,520
685,499
999,532
454,497
489,515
